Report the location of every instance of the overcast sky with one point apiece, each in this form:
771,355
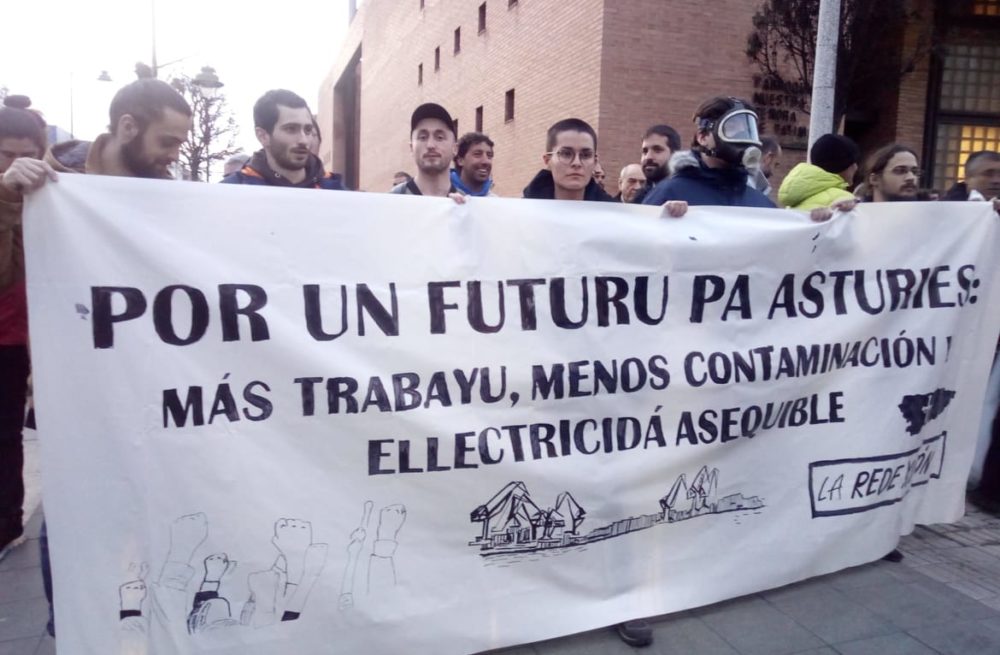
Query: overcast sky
253,45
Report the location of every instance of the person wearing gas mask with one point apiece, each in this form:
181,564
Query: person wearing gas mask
714,171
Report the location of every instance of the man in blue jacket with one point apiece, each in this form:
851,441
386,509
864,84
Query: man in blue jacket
713,171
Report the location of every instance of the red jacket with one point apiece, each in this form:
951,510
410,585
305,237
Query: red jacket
13,301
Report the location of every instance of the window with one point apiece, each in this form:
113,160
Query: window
970,81
482,18
420,74
437,58
986,8
479,118
508,106
968,109
458,40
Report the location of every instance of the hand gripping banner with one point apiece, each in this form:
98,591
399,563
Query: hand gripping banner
280,421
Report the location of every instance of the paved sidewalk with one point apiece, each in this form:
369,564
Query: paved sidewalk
943,598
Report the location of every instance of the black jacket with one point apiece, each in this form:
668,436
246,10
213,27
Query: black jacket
691,180
258,172
544,187
641,194
960,191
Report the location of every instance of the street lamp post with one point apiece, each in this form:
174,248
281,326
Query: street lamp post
207,80
142,70
824,91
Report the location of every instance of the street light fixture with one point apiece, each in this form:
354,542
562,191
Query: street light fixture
208,81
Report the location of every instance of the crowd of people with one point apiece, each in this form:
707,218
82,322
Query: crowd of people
727,163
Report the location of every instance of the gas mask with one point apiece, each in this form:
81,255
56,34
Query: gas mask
737,141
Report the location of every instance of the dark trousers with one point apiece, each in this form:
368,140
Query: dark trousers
13,394
989,484
43,549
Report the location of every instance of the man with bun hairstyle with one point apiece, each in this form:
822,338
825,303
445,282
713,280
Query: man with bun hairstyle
149,122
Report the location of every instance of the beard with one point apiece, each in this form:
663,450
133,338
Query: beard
900,197
655,175
282,159
138,163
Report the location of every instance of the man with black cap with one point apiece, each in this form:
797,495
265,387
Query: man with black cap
433,144
714,172
833,162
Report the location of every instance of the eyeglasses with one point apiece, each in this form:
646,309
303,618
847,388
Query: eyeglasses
568,155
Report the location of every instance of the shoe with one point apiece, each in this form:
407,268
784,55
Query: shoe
636,633
984,503
894,556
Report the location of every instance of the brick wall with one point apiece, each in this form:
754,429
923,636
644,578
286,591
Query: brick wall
661,59
330,121
912,96
621,66
548,51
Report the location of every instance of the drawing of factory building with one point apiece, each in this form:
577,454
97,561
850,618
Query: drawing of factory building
513,523
512,519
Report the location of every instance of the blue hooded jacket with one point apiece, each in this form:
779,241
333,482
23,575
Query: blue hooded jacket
691,180
456,181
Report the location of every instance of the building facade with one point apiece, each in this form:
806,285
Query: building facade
511,68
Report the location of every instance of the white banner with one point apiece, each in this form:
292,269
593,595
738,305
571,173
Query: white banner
285,421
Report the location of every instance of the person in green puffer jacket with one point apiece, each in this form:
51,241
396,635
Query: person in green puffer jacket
834,161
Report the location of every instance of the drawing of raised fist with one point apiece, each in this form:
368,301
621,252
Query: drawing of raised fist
186,534
390,522
216,566
131,594
381,565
